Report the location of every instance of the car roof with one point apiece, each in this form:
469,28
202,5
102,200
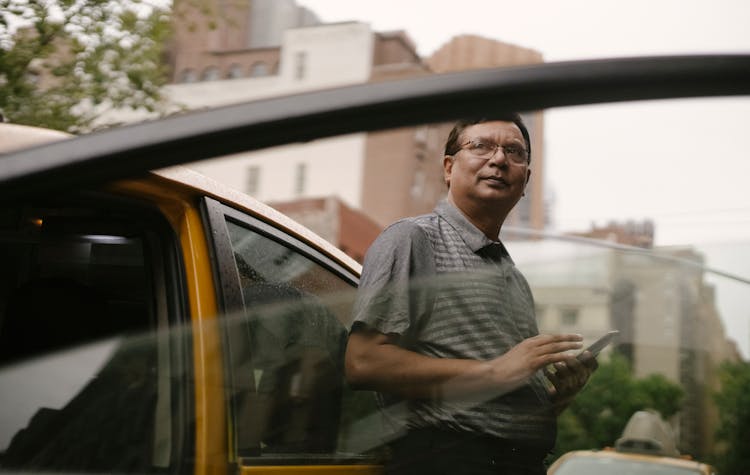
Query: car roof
187,178
15,137
613,454
134,149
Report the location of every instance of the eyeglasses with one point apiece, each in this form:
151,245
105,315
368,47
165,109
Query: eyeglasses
486,149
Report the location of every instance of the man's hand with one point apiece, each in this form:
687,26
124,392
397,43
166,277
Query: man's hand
569,377
516,366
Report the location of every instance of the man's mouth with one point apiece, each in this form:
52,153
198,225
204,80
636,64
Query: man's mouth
496,180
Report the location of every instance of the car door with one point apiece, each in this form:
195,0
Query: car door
286,313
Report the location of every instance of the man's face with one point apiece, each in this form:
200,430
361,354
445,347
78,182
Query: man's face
496,181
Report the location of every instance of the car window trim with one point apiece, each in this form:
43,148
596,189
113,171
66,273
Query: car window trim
297,245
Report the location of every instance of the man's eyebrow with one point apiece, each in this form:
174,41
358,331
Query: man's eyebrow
485,138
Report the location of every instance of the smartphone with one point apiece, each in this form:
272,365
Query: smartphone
602,342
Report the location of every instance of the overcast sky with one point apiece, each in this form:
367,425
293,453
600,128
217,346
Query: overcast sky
566,29
683,164
576,29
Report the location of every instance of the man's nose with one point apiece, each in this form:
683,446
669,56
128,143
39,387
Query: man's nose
498,158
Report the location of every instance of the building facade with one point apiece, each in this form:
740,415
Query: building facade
660,302
276,48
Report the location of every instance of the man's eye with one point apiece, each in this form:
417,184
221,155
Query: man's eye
512,150
480,146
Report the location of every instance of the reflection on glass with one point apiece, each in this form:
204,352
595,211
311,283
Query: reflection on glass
632,227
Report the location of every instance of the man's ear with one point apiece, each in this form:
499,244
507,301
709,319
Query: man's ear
528,176
448,169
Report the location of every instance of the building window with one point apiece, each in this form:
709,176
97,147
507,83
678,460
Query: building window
569,316
211,73
300,179
188,75
253,180
235,71
300,65
258,69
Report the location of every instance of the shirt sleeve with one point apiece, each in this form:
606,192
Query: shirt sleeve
394,290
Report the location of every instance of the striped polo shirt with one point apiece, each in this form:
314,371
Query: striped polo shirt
448,291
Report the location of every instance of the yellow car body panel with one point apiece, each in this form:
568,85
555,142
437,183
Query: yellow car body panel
178,206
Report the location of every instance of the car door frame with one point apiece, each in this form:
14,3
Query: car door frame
230,299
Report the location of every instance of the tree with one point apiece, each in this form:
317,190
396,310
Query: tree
597,416
62,62
733,402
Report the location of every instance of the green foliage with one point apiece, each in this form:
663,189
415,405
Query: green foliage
60,58
600,412
733,402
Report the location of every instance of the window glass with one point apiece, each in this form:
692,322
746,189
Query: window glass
80,373
259,69
188,76
211,73
297,316
652,243
235,71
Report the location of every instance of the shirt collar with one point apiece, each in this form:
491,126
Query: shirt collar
472,236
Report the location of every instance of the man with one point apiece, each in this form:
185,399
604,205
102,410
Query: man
445,325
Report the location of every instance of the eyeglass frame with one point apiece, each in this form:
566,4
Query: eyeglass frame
495,146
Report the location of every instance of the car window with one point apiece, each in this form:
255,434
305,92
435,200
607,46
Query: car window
286,350
86,383
628,223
